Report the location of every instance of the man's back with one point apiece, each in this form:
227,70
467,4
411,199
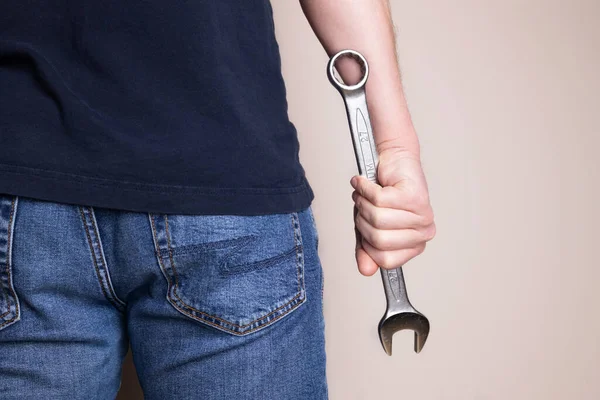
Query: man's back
157,106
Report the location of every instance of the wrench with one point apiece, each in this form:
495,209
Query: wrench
399,314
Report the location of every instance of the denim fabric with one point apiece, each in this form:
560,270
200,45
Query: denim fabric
213,306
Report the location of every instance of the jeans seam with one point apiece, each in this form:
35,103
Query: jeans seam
103,259
7,269
106,287
298,242
191,309
314,225
316,233
9,266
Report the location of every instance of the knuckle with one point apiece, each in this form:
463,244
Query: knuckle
392,262
379,239
361,190
431,231
427,218
385,260
378,199
357,220
376,219
358,203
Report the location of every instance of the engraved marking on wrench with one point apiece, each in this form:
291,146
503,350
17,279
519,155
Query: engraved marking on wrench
365,145
393,277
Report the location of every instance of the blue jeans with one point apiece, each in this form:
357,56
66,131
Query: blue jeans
213,306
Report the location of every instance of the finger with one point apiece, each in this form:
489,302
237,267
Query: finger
366,188
390,259
366,265
388,239
388,196
356,231
386,218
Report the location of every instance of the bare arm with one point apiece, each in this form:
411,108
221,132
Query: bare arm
366,26
394,216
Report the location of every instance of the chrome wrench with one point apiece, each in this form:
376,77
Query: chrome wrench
400,314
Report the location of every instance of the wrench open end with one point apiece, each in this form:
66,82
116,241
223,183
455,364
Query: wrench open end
413,320
400,314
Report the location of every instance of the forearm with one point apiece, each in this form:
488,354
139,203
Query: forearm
366,26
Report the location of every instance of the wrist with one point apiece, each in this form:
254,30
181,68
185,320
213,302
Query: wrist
395,132
403,147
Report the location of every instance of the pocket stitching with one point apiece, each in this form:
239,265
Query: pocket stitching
179,303
226,269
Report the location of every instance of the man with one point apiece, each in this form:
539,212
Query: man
152,195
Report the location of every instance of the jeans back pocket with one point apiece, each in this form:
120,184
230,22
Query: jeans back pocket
236,273
9,301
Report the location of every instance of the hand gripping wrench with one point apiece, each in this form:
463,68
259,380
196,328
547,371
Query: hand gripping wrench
400,314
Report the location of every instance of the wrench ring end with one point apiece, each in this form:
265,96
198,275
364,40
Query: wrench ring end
331,66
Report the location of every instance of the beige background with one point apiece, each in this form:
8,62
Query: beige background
504,97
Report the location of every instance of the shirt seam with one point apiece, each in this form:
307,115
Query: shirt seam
148,187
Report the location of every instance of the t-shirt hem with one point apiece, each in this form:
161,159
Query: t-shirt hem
159,198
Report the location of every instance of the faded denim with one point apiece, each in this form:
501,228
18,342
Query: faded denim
214,306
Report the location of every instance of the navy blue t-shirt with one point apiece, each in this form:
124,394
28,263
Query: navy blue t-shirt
147,105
